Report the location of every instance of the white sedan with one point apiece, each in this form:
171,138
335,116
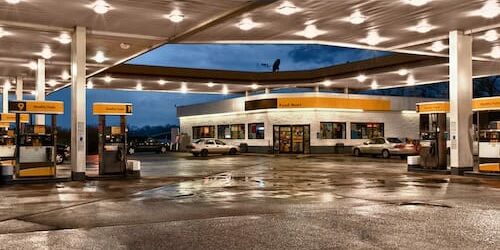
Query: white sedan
204,147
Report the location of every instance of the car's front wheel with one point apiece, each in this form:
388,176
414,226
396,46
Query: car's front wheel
204,153
131,151
232,151
163,150
386,154
59,158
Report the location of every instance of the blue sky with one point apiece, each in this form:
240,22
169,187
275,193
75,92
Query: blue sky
159,108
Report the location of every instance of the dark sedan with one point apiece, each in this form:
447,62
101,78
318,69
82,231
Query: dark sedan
147,145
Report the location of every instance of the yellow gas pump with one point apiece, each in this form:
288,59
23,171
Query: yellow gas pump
487,112
433,130
113,139
35,152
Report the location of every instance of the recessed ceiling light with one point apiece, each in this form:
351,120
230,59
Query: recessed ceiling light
33,92
417,3
495,52
7,84
210,84
32,65
361,78
357,17
3,32
65,75
139,86
254,86
13,1
410,80
99,57
52,83
490,36
90,85
225,90
403,72
125,46
373,38
175,16
327,83
422,27
162,82
247,24
438,46
288,8
101,7
46,53
374,84
184,88
311,31
108,79
64,38
490,9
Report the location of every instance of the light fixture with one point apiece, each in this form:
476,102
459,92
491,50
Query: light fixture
139,86
373,38
422,27
254,86
3,32
490,36
361,78
327,83
7,85
311,31
33,92
65,75
495,52
13,1
247,24
410,81
374,84
90,85
108,79
64,38
357,17
46,53
125,46
288,8
403,72
225,90
162,82
490,10
99,57
33,65
101,7
417,3
52,83
184,88
175,16
438,46
210,84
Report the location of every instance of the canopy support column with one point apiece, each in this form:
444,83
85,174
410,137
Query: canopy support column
19,88
40,88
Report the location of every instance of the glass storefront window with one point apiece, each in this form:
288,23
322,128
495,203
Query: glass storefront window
235,132
223,132
367,130
256,131
203,132
333,130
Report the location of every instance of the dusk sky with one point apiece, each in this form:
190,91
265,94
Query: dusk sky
159,108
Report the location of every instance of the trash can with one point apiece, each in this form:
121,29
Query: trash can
243,148
339,148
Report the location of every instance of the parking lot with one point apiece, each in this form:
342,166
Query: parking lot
256,201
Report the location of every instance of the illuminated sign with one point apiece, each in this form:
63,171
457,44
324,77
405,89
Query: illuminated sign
112,109
9,118
489,103
433,107
320,102
36,107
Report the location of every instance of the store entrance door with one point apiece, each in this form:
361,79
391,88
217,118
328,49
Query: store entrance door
292,139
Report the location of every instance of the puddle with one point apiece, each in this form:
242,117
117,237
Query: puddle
425,204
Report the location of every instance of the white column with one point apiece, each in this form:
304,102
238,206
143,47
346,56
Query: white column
78,104
461,133
40,89
316,89
346,91
19,88
247,93
5,97
267,91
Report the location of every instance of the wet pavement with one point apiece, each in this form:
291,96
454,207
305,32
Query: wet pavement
256,202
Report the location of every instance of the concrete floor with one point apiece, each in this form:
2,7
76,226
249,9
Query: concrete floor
257,202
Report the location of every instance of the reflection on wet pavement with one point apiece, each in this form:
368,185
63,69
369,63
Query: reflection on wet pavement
360,199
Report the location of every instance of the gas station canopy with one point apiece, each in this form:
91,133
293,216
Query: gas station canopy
119,30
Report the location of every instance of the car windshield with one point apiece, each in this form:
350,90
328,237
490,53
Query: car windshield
198,141
394,140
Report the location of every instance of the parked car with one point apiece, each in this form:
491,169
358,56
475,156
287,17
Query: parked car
386,147
146,145
63,153
204,147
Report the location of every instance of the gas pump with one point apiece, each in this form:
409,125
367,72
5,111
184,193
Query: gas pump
487,114
433,148
35,152
7,135
112,139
